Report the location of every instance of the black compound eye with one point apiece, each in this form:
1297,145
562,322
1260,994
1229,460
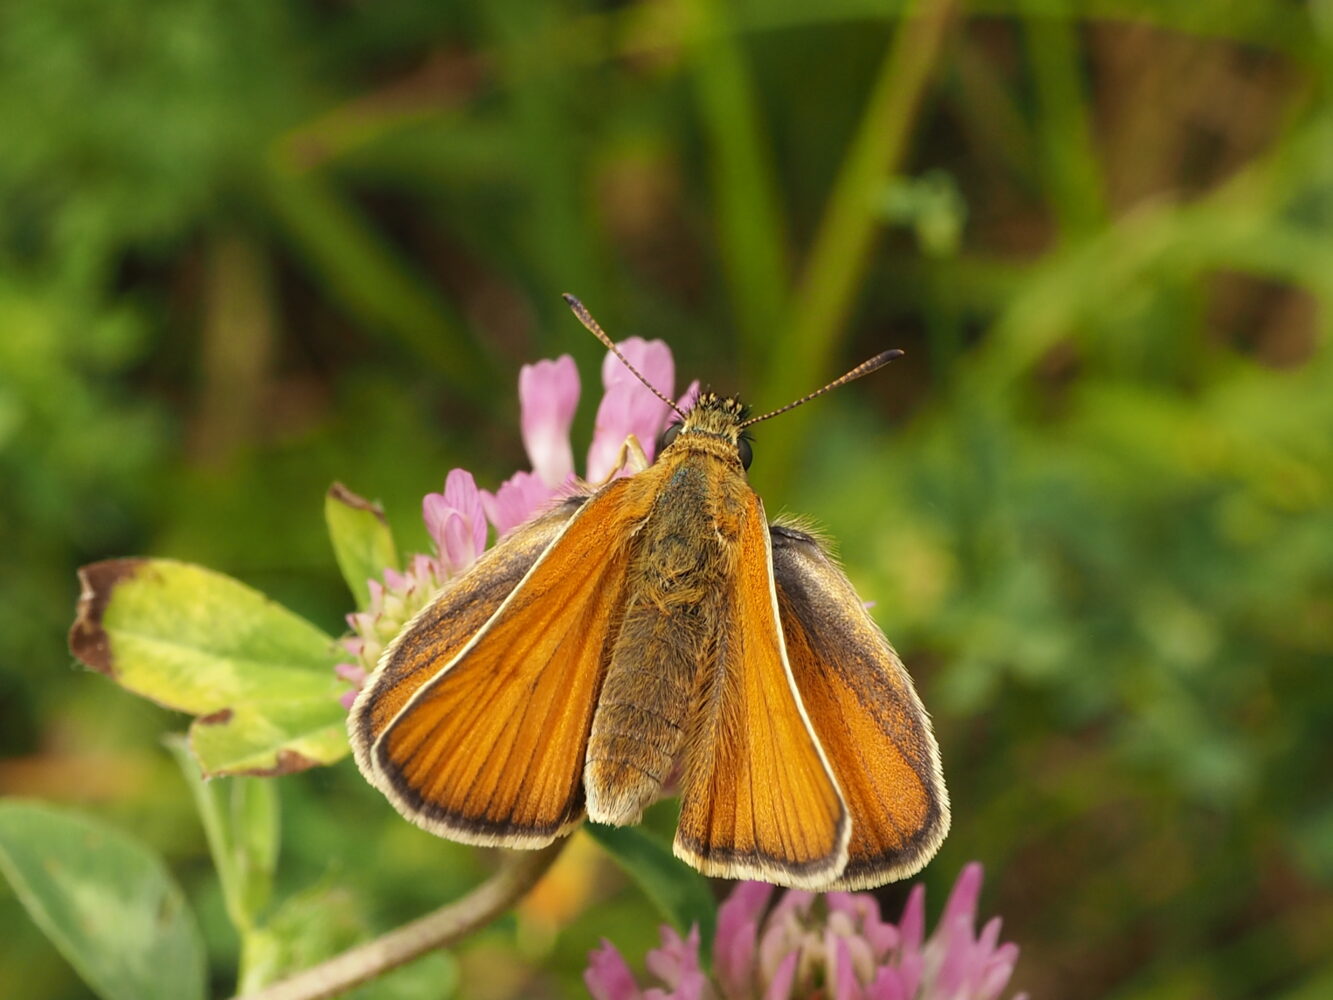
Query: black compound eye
746,452
668,435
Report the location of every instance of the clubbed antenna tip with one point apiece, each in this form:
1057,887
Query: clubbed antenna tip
864,368
593,327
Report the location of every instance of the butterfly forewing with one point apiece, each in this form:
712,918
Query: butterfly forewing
490,750
444,627
865,712
757,799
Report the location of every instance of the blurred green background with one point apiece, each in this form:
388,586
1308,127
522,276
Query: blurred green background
250,248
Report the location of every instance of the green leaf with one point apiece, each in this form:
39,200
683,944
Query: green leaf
272,736
362,541
259,677
105,900
678,891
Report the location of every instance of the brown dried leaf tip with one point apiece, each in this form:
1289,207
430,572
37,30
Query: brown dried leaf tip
88,641
289,762
345,496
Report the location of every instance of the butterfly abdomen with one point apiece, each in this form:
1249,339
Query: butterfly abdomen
642,716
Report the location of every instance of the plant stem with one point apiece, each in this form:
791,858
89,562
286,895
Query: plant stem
520,872
217,833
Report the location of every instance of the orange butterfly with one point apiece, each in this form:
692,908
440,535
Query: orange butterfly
659,625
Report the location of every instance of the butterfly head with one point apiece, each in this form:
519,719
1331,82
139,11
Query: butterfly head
715,424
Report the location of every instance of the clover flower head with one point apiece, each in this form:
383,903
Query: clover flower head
827,946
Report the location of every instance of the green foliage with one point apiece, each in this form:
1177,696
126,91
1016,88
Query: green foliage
106,901
248,250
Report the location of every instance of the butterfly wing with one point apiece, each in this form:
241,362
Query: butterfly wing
758,799
444,627
865,712
489,749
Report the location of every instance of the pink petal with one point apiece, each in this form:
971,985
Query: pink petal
427,571
548,393
784,978
858,952
348,698
999,967
376,597
844,902
842,974
952,947
628,407
863,909
460,546
652,359
456,551
990,935
693,987
911,970
351,673
461,493
912,926
676,958
676,963
691,396
795,902
784,930
964,895
608,977
456,522
737,935
516,501
888,984
976,954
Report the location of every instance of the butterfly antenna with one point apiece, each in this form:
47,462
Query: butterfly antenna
585,317
864,368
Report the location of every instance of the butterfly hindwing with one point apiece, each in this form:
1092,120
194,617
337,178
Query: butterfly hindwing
757,798
865,712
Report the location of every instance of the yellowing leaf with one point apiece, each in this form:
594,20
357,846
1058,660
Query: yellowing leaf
259,677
